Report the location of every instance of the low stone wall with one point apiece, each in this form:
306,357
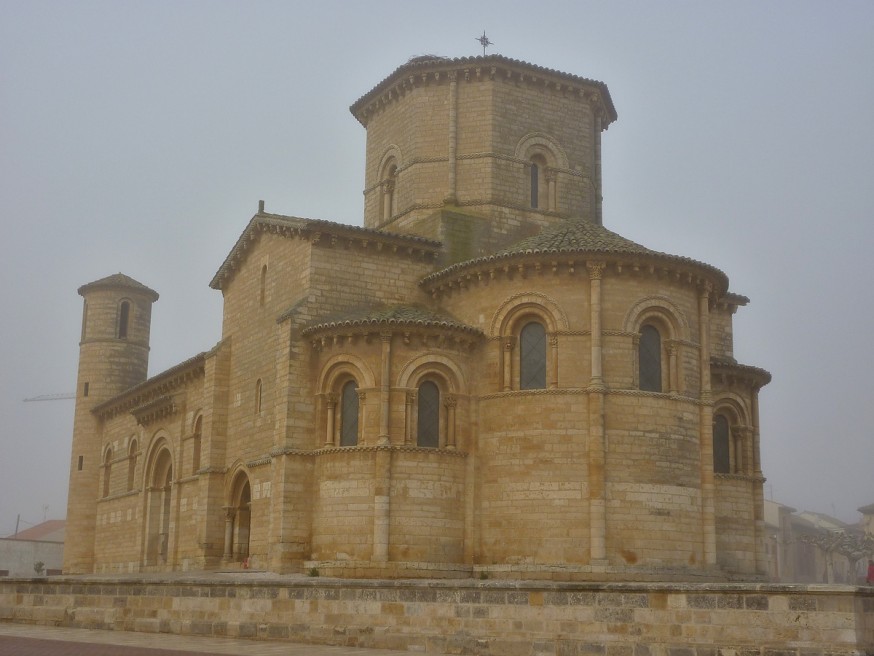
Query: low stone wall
500,618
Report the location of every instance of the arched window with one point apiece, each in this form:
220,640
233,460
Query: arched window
262,293
650,359
123,319
428,423
132,464
349,414
721,445
107,469
535,185
532,356
195,440
159,491
389,180
539,196
259,394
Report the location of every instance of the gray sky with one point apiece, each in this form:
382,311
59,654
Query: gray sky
139,137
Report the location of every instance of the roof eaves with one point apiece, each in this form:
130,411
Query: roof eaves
170,377
312,228
418,63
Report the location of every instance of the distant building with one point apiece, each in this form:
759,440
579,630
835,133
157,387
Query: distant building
20,554
810,547
481,380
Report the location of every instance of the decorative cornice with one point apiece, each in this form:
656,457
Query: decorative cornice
119,282
334,450
153,389
155,410
429,70
326,234
571,245
729,372
494,267
581,391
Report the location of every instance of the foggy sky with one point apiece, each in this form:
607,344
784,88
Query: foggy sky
139,137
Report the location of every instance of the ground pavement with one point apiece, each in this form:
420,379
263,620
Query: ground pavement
32,640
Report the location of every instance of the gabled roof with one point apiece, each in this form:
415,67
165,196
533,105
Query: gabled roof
395,315
149,390
580,237
118,281
314,230
410,73
48,531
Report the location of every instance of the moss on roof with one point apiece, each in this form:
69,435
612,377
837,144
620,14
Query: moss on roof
394,315
577,236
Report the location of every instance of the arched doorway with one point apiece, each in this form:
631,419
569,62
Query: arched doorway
158,512
237,519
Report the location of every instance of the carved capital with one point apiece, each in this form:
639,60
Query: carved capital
411,398
553,339
509,342
331,400
450,401
596,270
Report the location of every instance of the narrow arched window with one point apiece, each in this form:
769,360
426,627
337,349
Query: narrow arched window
389,183
195,450
262,293
84,319
428,428
131,464
123,319
107,469
721,448
349,414
532,356
535,185
259,394
650,359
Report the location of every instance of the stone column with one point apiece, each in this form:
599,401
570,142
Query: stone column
673,368
705,430
758,486
509,344
385,388
362,400
597,436
553,356
596,271
230,513
408,417
551,200
450,404
388,192
451,196
331,401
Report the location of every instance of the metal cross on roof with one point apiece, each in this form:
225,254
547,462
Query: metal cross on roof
484,42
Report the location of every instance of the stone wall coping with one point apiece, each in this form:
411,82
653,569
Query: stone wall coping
266,579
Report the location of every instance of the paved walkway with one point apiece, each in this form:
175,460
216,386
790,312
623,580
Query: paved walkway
32,640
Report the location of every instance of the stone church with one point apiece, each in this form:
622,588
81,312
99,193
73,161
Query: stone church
482,380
